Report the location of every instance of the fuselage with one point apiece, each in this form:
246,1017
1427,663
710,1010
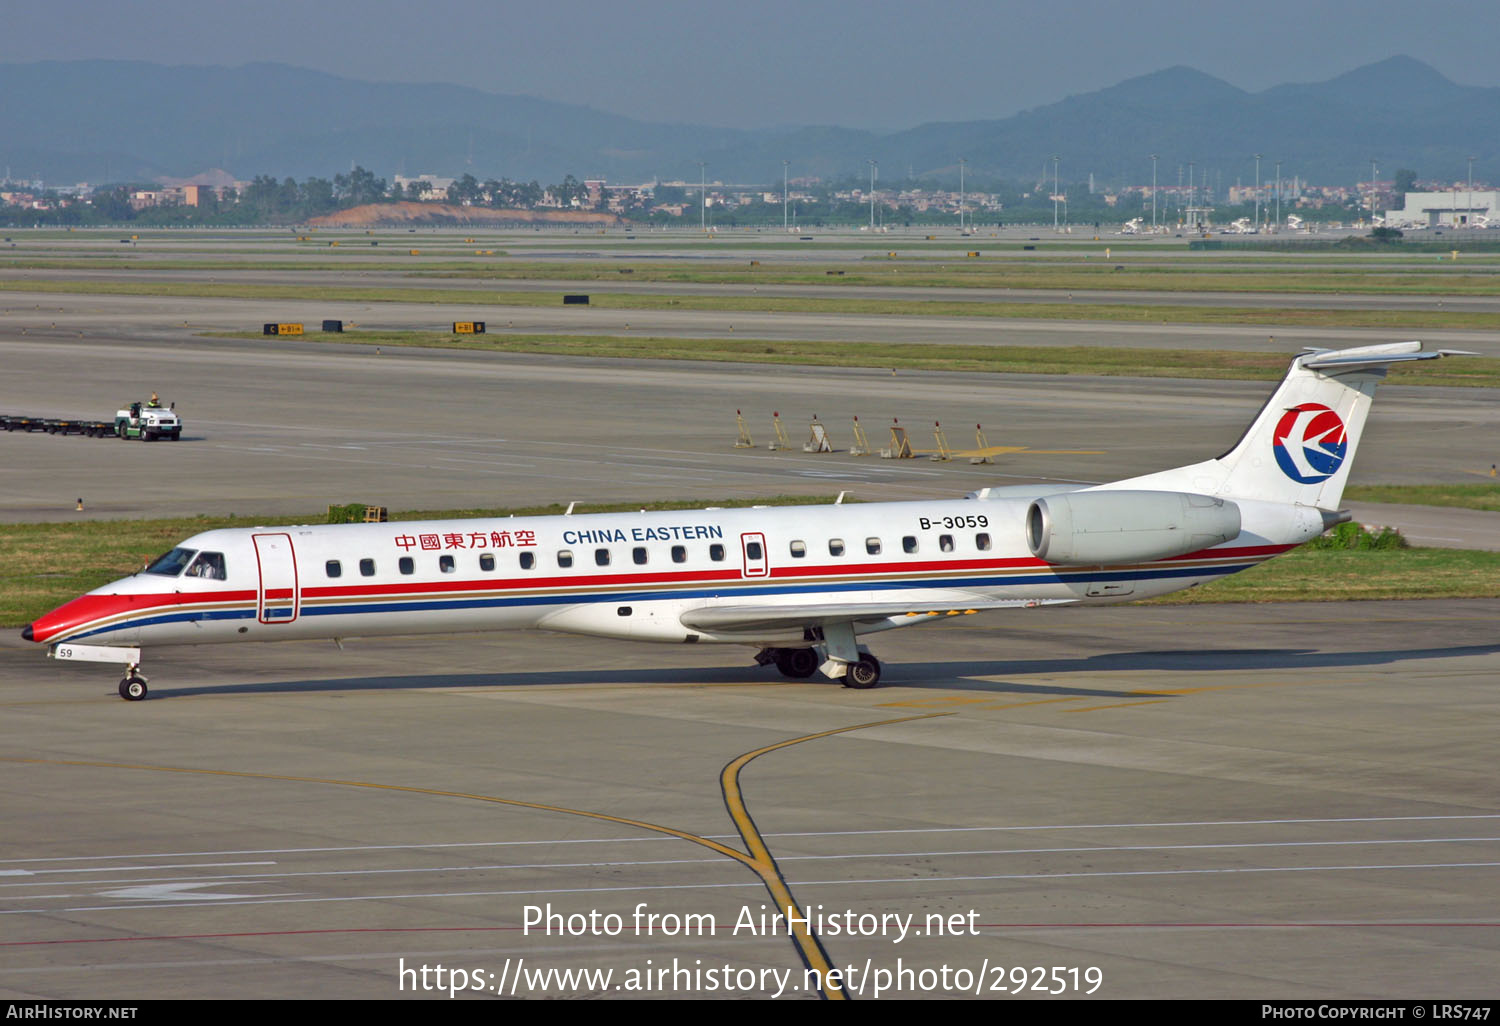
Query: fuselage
622,575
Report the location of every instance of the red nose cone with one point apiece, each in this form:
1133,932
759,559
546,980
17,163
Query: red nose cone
76,614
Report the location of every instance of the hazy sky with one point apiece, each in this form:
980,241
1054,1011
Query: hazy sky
877,64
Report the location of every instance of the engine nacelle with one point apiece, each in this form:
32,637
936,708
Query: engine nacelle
1127,526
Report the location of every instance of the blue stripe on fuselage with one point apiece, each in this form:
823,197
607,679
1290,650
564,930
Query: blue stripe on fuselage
459,602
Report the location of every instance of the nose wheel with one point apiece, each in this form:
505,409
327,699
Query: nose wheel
133,686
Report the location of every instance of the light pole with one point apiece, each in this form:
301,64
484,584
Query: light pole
784,165
1469,217
1257,192
1192,190
1278,194
1373,175
1153,193
872,164
703,197
1054,192
962,161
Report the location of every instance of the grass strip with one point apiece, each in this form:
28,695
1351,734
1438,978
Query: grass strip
876,271
1221,365
1391,320
1461,496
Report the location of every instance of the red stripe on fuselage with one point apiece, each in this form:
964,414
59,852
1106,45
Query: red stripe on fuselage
88,609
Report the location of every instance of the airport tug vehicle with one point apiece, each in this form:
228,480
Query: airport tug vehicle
802,586
148,423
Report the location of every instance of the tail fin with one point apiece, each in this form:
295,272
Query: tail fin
1301,445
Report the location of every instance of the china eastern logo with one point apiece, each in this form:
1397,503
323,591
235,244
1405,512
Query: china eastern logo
1309,443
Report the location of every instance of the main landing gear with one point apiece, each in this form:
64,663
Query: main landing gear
801,663
862,674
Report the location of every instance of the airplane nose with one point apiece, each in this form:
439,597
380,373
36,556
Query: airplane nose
26,633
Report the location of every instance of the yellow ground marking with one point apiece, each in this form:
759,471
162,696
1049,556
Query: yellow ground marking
934,703
1037,701
1229,687
1115,705
764,863
759,860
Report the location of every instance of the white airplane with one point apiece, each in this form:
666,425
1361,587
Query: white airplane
802,584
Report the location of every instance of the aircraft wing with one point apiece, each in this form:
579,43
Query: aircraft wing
744,619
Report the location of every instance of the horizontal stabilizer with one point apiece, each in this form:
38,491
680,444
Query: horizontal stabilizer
1374,356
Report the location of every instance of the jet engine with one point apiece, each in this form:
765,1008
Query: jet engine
1126,526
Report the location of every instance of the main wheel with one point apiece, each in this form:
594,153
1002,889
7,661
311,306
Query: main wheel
798,663
132,689
863,674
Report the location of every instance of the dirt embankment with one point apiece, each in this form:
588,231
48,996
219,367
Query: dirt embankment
409,213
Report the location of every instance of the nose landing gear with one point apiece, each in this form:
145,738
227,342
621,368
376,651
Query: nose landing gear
133,686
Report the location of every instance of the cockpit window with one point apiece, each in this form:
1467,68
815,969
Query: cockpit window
210,565
172,563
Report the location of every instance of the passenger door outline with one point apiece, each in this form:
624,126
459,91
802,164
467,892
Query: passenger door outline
276,563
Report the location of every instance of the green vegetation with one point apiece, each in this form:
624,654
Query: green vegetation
1108,362
1317,575
1060,273
1121,312
1464,496
1355,537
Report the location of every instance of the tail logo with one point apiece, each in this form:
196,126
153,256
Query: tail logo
1309,443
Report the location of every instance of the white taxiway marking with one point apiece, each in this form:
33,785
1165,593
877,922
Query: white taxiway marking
905,880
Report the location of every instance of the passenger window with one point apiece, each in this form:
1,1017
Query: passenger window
445,563
527,561
679,553
835,546
332,568
799,549
601,557
945,542
909,544
982,542
716,552
486,561
565,557
639,555
753,551
210,566
407,565
872,546
367,568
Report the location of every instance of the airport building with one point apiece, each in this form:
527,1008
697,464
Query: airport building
1453,208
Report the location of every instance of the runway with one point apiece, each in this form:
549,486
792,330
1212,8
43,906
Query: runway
61,315
1289,801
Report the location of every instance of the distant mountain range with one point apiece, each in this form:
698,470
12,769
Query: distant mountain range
111,121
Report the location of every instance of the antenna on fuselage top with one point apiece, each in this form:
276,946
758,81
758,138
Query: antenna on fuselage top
569,511
840,500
